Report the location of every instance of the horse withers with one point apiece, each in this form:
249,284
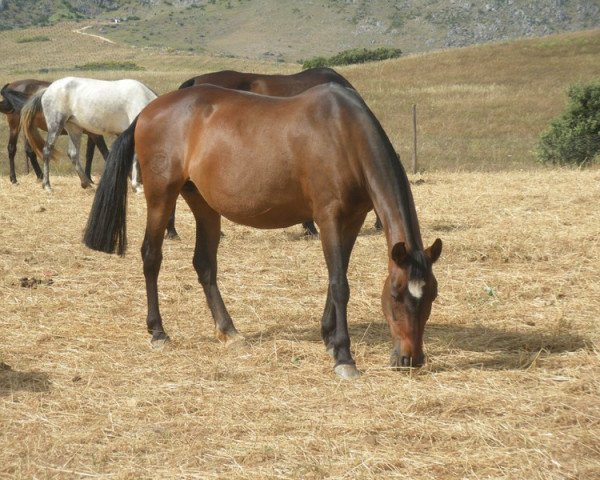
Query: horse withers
15,95
271,162
83,104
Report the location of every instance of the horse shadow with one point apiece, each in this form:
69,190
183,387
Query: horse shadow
483,347
13,380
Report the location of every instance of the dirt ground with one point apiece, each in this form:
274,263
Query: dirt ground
510,389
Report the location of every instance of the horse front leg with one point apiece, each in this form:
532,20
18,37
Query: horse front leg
12,150
89,155
33,160
338,240
14,128
310,230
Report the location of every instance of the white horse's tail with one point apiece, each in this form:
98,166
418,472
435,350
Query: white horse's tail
29,112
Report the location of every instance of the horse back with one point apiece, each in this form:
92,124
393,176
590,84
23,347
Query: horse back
28,86
273,85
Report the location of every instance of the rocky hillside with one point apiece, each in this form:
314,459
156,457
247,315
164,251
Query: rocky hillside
289,30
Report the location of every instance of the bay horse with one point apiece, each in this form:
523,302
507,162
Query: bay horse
83,104
275,86
272,162
15,95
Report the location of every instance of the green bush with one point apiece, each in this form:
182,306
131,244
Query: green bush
355,55
36,38
95,66
574,137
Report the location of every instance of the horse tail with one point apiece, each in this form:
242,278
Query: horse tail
14,98
29,111
5,106
106,225
188,83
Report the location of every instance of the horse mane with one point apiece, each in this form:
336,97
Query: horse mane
399,174
187,83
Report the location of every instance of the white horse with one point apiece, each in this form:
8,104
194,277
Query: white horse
77,104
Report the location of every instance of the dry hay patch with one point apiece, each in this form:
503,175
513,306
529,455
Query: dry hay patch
510,389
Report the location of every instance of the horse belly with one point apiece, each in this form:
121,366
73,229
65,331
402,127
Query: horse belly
271,217
254,196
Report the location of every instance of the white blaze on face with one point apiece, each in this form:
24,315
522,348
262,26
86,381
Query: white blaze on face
415,288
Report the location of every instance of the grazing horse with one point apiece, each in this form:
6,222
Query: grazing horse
273,162
15,95
275,86
83,104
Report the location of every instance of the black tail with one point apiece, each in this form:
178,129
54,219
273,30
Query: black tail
187,83
5,105
106,226
14,98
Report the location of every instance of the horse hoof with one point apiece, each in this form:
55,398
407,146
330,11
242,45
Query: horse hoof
138,188
48,189
330,351
172,236
229,339
159,343
346,371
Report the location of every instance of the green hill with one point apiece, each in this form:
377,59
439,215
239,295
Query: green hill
479,107
288,30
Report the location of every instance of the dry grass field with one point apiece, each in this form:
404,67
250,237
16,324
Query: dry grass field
511,387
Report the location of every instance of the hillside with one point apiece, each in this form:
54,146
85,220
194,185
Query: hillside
479,108
287,30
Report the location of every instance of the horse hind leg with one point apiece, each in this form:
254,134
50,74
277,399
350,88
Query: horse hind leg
208,235
74,145
136,177
56,124
159,206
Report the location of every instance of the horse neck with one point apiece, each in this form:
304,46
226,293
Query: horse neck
391,194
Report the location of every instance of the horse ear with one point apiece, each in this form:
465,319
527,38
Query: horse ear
399,253
434,252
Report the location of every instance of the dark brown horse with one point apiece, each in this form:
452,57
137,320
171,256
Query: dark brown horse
275,86
272,162
15,95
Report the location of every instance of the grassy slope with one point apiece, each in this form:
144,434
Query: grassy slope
479,108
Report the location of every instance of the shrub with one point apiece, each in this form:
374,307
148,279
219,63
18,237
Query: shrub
94,66
36,38
355,55
574,137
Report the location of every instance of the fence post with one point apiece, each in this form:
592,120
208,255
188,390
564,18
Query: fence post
414,156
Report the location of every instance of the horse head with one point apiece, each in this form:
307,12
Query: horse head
408,293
